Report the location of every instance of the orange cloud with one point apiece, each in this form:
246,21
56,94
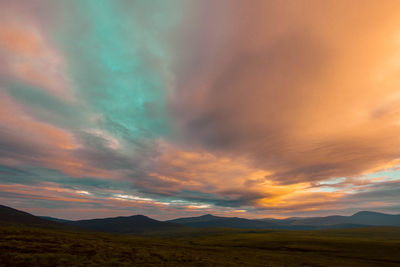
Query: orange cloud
230,180
306,90
19,41
29,56
41,143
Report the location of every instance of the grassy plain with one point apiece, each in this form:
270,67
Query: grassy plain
374,246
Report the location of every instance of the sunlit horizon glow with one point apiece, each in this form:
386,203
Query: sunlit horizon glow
182,108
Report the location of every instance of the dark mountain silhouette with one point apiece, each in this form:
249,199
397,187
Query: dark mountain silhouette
363,218
321,221
54,219
277,221
126,225
375,218
139,224
209,220
132,224
203,218
235,223
16,217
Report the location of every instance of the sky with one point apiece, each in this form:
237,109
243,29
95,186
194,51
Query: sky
257,109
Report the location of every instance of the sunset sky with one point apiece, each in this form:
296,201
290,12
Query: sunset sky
181,108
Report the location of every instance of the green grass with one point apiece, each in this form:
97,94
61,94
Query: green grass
375,246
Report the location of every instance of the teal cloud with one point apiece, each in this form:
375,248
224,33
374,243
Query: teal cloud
46,107
117,63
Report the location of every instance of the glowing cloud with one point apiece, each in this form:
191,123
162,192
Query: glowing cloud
260,108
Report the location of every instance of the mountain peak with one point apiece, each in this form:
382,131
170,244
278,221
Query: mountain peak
365,212
139,216
13,216
208,216
126,224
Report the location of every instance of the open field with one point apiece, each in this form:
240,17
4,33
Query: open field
378,246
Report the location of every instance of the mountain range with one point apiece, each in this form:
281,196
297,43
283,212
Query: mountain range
126,225
16,217
139,224
362,218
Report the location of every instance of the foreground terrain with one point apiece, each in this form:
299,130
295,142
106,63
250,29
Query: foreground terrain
29,246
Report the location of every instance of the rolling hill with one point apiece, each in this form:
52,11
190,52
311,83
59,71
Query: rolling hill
198,219
140,224
126,225
16,217
363,218
123,225
375,218
229,222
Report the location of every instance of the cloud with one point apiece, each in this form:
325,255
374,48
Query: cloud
190,107
295,91
28,55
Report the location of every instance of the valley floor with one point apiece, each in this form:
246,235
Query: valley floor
375,246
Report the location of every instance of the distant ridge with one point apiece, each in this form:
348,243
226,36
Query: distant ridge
126,225
364,218
202,218
359,219
209,220
375,218
140,224
54,219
